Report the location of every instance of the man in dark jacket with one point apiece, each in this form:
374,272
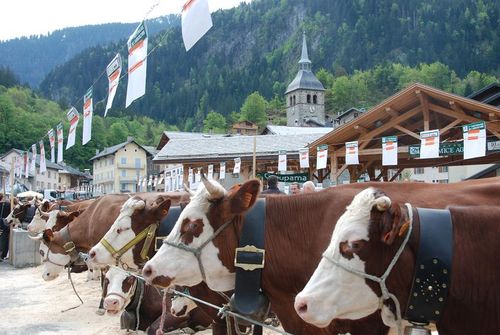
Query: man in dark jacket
272,186
4,228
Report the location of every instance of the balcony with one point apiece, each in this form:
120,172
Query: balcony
128,179
132,166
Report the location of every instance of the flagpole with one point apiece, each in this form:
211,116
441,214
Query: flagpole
254,163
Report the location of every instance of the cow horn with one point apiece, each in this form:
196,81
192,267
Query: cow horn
38,237
383,203
215,192
188,190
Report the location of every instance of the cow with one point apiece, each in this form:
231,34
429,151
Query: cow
124,291
18,214
366,238
296,234
181,306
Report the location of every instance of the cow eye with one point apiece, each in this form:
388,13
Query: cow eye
42,253
121,230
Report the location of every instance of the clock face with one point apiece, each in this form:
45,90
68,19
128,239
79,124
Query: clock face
312,110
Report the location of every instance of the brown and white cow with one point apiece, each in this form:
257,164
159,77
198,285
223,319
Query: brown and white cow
366,239
297,232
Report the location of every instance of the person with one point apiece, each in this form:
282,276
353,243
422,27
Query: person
272,186
4,228
308,187
294,188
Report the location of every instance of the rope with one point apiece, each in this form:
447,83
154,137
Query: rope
159,331
74,290
137,309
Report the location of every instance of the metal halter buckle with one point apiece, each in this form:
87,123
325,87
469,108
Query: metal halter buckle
249,249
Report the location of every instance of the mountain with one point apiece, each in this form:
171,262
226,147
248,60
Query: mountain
256,47
31,58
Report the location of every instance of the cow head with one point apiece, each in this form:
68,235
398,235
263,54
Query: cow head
54,220
39,222
365,239
181,306
18,214
118,289
210,209
54,257
135,217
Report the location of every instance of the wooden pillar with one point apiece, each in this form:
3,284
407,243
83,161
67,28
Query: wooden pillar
334,167
371,172
353,175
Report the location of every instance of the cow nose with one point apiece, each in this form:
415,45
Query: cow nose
92,254
147,272
110,303
301,305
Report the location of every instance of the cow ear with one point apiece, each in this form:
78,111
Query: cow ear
48,235
394,223
73,215
244,197
161,206
45,206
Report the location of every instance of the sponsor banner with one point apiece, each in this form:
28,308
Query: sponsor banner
113,70
73,118
88,110
304,158
60,140
321,156
237,165
196,21
43,164
210,173
429,144
474,140
390,150
285,178
33,159
190,176
222,172
282,161
137,63
52,141
26,166
351,153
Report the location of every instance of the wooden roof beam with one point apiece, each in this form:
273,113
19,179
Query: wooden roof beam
425,107
449,126
360,129
459,114
391,112
407,131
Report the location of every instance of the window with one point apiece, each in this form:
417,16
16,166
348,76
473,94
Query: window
290,101
419,171
294,101
443,169
138,162
315,99
48,173
123,173
112,161
123,186
123,160
308,98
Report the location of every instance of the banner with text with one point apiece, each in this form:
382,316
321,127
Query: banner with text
26,165
321,156
237,165
88,110
222,172
282,161
304,158
60,140
210,173
474,140
137,64
429,144
52,141
196,21
73,119
33,159
43,164
390,150
351,153
113,70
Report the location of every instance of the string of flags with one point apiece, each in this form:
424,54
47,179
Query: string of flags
196,21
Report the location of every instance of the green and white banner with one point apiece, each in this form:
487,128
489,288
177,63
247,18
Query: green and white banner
474,140
60,140
429,144
73,118
304,158
196,21
137,64
321,156
113,70
390,150
282,161
351,153
88,110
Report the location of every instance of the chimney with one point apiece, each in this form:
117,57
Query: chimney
97,151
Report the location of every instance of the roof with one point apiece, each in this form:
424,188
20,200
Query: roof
73,171
347,112
168,135
152,150
285,130
223,148
115,148
484,172
305,80
489,94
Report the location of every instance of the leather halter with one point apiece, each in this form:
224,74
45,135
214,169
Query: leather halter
148,233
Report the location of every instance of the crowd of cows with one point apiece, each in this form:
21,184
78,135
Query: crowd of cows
324,254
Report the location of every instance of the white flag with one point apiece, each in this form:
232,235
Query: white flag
222,172
73,119
390,150
137,63
155,181
43,164
429,144
26,166
351,153
150,182
282,161
113,70
210,174
237,165
190,176
52,141
196,21
304,158
88,110
60,140
474,140
321,156
33,159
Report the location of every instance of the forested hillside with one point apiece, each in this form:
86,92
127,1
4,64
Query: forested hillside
31,58
256,46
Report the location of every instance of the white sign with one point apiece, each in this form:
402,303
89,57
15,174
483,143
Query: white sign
113,70
351,153
282,161
52,141
222,172
197,178
43,164
88,110
190,176
321,156
304,158
196,21
137,63
390,150
237,165
429,144
33,158
73,119
26,165
60,139
210,173
474,140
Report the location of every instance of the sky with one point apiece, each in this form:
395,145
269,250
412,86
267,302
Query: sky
39,17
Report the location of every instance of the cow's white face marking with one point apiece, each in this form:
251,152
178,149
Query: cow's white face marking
11,219
52,268
181,306
332,292
38,224
116,299
182,266
118,236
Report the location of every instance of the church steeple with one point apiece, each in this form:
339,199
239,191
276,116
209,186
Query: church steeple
304,62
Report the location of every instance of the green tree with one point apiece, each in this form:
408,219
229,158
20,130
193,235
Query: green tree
117,133
214,123
254,109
